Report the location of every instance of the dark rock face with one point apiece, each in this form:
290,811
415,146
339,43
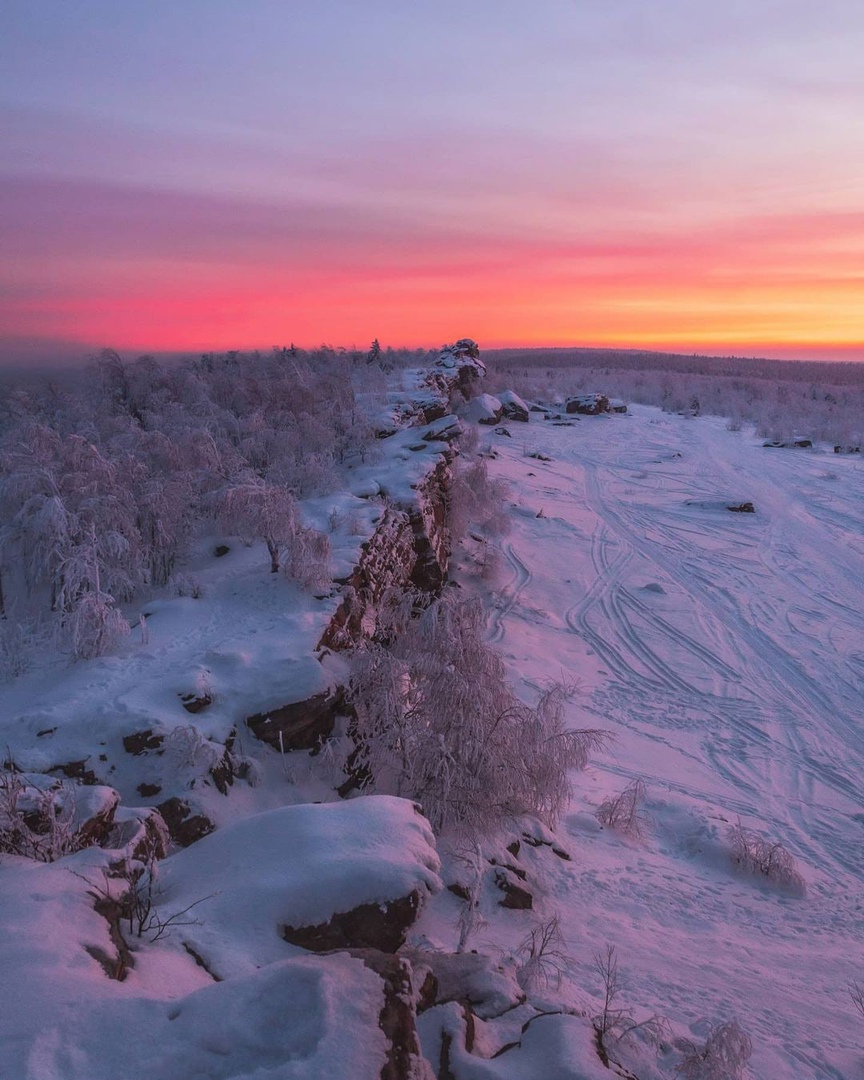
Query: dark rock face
847,449
429,527
370,926
514,407
141,742
742,508
787,444
386,563
300,725
142,834
184,826
195,703
398,1018
410,547
75,770
515,897
588,404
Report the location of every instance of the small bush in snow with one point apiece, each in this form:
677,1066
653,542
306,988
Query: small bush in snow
624,812
755,855
187,585
437,721
477,502
34,822
190,753
856,992
541,956
94,625
614,1021
723,1057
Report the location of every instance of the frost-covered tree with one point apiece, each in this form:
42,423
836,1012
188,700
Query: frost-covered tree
257,510
437,721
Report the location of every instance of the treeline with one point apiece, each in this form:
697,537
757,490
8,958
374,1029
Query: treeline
780,398
106,473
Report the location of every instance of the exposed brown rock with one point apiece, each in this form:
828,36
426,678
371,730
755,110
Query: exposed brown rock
397,1019
76,770
370,926
195,703
515,897
588,404
300,725
142,741
184,826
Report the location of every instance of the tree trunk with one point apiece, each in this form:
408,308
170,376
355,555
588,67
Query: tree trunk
273,548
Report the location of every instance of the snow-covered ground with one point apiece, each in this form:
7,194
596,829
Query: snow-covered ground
726,653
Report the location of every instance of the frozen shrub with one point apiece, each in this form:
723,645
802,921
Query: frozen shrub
615,1021
723,1057
36,822
191,755
624,812
476,501
437,721
187,585
94,625
541,956
308,559
755,855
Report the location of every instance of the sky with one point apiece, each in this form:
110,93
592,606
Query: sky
211,175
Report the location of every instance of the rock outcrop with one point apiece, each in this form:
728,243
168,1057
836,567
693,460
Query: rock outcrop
588,404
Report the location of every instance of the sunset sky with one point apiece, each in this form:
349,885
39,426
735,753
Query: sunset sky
209,174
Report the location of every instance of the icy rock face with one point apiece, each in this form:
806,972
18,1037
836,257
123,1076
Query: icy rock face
303,867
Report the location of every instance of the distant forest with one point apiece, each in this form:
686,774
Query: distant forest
780,398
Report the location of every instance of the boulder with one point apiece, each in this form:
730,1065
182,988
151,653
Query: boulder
488,985
185,825
797,442
588,404
299,725
379,926
514,407
349,874
483,409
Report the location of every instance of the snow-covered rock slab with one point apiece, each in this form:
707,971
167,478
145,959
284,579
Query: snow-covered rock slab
483,409
297,866
514,407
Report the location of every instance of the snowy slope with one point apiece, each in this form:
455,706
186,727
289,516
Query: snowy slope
726,653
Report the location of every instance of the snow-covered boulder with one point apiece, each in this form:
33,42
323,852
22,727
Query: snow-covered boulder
588,404
483,409
514,407
307,867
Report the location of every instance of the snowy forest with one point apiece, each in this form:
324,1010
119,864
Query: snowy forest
399,686
107,473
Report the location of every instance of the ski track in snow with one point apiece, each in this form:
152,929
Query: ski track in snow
733,682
